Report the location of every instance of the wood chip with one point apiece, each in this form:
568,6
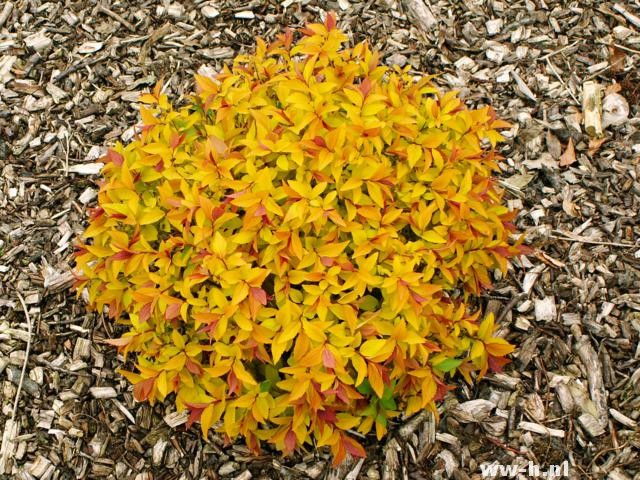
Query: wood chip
103,392
522,87
592,108
541,429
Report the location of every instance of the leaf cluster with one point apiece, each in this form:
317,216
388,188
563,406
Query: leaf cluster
287,251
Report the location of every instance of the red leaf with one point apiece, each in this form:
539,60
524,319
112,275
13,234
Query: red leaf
122,255
176,140
232,381
114,157
193,367
328,415
198,275
253,443
174,202
441,391
327,261
347,266
341,393
217,144
330,21
353,447
289,442
235,194
525,249
259,294
365,87
260,211
173,311
496,364
195,412
217,212
95,212
145,312
319,141
328,359
417,297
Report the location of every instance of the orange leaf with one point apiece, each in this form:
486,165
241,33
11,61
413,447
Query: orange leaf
375,379
289,442
142,390
353,447
569,155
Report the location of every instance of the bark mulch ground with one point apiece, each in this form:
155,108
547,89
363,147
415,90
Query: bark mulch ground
70,75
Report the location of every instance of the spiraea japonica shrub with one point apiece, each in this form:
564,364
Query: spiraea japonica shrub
293,253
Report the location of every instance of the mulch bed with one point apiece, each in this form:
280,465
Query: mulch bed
70,75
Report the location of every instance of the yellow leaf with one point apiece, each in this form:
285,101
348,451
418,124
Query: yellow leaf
433,237
375,192
176,362
157,149
331,249
260,408
360,365
486,327
150,215
245,401
371,348
219,244
414,152
466,183
498,347
206,419
354,96
177,339
299,389
434,139
476,350
100,251
162,384
429,389
219,368
242,374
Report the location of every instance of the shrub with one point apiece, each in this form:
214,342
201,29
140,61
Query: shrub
294,251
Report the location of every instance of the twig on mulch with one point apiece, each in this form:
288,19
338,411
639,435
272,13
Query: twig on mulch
116,17
78,66
26,355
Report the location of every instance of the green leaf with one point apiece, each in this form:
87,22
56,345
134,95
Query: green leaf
388,391
371,410
381,419
365,387
388,403
368,303
271,374
448,364
265,386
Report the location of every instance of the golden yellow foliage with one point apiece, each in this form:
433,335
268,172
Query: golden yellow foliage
285,249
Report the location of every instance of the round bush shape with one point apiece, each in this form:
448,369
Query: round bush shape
294,252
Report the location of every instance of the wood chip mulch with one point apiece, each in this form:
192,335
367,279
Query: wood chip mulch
70,75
